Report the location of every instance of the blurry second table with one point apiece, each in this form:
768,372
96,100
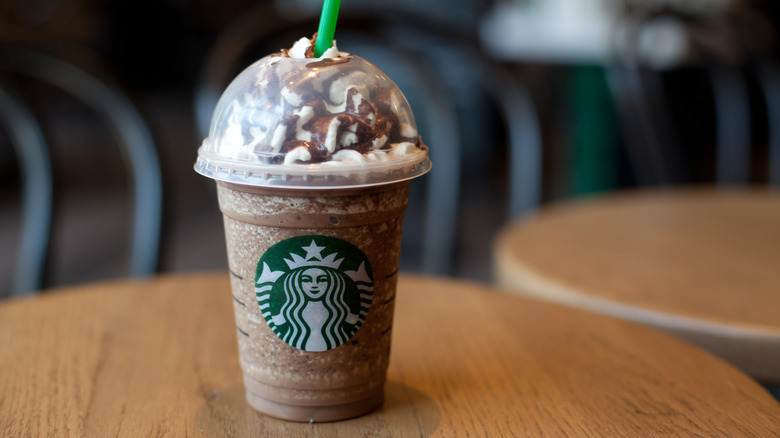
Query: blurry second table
158,358
703,264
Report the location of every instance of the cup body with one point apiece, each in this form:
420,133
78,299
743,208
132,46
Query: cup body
313,276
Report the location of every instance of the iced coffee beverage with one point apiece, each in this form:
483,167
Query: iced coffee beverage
313,158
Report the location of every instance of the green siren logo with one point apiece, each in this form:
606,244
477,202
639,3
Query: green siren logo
314,291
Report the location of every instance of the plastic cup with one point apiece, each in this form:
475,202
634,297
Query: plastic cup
313,240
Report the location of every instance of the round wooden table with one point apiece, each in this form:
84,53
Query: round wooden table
699,263
159,358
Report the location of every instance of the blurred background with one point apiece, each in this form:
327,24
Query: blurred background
522,103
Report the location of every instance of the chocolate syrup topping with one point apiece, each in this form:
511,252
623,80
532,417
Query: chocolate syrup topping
327,62
355,121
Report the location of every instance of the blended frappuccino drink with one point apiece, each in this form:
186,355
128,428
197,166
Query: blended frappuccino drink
313,158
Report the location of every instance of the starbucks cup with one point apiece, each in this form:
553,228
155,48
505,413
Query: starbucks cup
313,159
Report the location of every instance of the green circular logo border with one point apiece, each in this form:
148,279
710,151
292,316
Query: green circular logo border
314,291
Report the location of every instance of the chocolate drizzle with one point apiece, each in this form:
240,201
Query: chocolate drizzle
366,122
327,62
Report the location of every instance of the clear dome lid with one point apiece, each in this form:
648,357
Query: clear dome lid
312,123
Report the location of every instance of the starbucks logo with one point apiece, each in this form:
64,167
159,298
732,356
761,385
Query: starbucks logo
314,291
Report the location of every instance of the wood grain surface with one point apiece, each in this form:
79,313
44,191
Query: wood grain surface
700,263
158,358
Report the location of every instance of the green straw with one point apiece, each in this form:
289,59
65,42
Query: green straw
330,12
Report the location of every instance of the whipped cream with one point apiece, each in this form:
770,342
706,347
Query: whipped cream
305,45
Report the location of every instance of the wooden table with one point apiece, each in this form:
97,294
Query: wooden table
158,358
702,264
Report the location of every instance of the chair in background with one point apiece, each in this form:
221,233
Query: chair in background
30,147
133,138
728,49
523,138
769,79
